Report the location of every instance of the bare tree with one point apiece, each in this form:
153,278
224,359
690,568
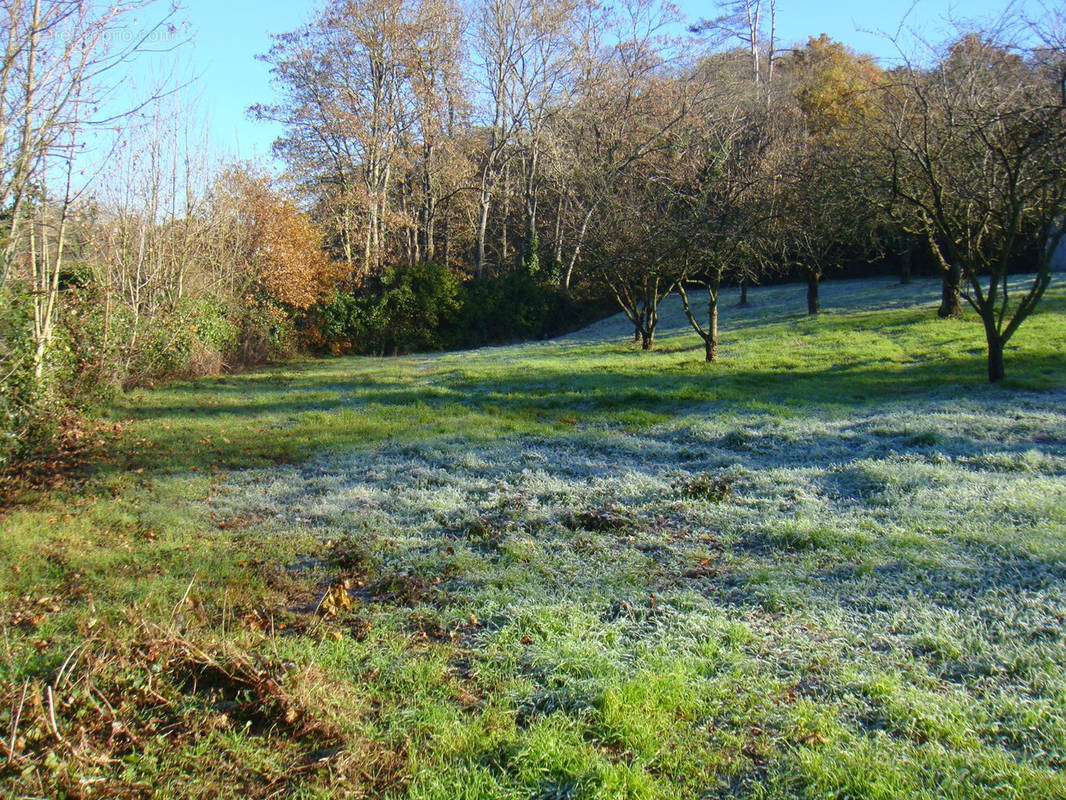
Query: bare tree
626,100
753,24
60,65
153,241
721,205
977,148
502,40
435,66
346,109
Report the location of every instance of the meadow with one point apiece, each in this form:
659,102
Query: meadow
829,566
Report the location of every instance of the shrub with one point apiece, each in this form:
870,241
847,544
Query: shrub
509,307
412,308
418,307
31,408
426,307
198,331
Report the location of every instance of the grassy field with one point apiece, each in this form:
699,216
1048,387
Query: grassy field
830,566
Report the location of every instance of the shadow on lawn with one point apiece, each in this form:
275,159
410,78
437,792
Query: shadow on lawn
275,416
1001,596
534,388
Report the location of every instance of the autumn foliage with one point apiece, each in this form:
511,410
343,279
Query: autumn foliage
277,248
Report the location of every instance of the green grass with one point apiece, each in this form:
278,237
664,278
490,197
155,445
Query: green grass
831,565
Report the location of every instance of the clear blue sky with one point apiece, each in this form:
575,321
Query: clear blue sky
228,34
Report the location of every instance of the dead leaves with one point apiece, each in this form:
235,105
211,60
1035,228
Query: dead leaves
28,613
110,697
602,519
60,459
703,569
711,486
336,599
234,523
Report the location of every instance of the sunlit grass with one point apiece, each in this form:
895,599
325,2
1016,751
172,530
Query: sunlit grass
542,604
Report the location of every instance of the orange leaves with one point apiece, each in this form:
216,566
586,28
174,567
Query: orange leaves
277,245
294,270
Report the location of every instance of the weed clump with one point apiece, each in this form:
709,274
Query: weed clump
485,530
353,555
712,486
607,519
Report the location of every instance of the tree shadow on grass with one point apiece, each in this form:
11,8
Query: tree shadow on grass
537,387
288,412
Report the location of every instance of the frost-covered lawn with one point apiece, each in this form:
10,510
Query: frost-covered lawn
833,565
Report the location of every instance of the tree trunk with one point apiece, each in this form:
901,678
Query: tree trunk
503,243
743,293
711,341
906,260
530,197
711,350
568,275
430,248
447,234
483,224
813,304
950,303
647,339
995,354
557,243
505,207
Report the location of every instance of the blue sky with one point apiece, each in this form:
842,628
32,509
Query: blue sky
228,34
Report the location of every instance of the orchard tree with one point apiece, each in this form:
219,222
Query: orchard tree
825,210
977,149
629,257
719,197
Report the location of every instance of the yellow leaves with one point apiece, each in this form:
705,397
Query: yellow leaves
336,599
836,84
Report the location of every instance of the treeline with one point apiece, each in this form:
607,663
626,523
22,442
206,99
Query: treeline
465,173
594,150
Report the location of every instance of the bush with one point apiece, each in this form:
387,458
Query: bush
509,307
196,336
30,408
412,308
197,332
419,306
425,307
263,332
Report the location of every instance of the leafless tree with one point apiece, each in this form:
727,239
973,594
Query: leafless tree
61,61
977,149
